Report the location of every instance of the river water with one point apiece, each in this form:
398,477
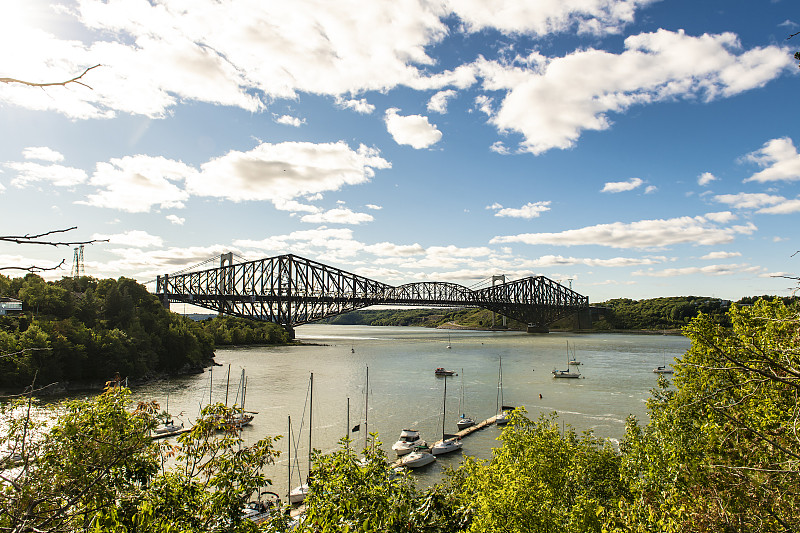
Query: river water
616,381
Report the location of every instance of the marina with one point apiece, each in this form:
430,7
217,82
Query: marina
405,393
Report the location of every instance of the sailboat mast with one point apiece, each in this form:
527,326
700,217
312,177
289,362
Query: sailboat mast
444,405
310,420
366,411
289,457
227,384
347,427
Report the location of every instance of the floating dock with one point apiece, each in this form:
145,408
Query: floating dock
461,434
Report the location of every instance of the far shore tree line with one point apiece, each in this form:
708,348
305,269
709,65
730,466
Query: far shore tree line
84,330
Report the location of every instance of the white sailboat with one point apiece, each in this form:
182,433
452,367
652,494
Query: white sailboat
568,373
464,421
501,418
169,427
238,417
571,356
449,443
298,494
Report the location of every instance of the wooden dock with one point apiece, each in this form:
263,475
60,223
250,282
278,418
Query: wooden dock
460,434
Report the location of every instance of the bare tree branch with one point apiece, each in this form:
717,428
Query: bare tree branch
34,268
76,79
35,239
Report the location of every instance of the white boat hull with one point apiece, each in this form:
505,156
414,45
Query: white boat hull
447,446
417,459
298,494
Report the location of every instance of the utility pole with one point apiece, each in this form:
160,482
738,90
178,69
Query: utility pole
78,269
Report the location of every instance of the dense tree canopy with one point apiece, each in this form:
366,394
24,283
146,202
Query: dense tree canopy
87,330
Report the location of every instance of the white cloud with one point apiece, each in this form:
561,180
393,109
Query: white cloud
138,183
706,178
614,262
529,210
284,171
622,186
289,120
650,189
657,233
499,147
58,175
175,219
374,207
42,153
484,104
710,270
596,17
720,255
721,217
552,103
438,102
767,204
781,159
135,238
338,216
358,105
388,249
222,53
413,130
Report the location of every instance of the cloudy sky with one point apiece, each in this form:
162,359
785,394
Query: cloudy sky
631,148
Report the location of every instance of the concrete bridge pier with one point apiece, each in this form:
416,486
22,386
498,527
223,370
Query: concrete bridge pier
290,330
534,328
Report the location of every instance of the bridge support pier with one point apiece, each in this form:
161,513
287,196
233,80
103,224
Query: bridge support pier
289,330
534,328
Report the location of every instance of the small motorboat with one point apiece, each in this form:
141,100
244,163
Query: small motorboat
451,444
662,370
443,372
417,458
409,440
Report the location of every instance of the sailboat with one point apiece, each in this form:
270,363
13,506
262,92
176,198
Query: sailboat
464,421
298,494
571,356
501,418
568,373
449,443
663,369
238,417
448,342
169,427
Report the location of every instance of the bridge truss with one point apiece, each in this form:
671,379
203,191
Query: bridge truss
291,291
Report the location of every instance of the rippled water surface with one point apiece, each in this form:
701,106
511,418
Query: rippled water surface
404,393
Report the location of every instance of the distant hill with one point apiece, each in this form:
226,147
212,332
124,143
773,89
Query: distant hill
667,313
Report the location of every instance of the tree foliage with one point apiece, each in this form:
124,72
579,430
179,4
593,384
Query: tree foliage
91,465
721,452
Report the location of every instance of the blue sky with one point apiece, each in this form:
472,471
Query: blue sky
637,148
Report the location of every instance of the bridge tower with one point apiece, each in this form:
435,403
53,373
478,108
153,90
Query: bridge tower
225,279
502,279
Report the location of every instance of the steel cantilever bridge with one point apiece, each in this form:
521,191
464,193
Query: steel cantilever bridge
291,291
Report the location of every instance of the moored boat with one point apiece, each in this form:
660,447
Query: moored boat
408,441
417,458
443,372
